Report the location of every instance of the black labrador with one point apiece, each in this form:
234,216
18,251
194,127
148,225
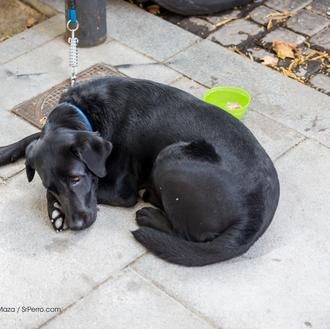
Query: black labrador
215,188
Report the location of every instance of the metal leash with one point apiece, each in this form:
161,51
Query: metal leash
73,40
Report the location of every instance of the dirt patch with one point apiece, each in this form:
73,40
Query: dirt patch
15,17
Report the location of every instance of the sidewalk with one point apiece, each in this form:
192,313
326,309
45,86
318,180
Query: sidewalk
102,278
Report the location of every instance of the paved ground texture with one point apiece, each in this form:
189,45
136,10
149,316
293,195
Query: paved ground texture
250,30
102,278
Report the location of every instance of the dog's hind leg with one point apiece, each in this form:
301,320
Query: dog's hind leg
154,218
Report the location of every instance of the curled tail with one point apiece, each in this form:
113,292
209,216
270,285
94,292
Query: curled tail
176,250
15,151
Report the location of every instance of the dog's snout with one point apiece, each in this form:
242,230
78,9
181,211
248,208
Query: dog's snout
81,221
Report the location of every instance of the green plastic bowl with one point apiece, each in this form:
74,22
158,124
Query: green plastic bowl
227,98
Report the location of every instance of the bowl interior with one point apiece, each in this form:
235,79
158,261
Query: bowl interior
228,97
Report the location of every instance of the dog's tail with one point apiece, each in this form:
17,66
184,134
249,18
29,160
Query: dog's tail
230,243
15,151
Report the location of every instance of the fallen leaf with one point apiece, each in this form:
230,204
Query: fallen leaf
30,22
270,24
284,49
269,60
154,9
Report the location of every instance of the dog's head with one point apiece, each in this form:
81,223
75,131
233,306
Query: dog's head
69,164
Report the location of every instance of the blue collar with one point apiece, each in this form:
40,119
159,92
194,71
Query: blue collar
82,114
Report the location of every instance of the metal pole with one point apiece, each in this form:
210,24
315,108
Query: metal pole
91,15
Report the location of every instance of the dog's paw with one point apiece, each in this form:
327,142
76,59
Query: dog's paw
57,218
144,216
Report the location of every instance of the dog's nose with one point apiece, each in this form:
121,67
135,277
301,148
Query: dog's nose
81,222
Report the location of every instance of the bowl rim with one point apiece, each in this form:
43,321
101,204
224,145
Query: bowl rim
231,88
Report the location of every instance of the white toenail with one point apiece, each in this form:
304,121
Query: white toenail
59,222
177,199
57,205
55,214
52,220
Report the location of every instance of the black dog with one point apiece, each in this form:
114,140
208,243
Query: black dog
215,188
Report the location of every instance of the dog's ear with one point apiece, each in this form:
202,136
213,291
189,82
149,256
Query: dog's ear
29,162
93,151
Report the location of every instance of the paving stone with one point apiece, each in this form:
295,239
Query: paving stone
283,281
308,23
151,71
321,7
235,32
128,302
42,268
196,25
260,53
261,14
13,129
288,5
322,39
32,38
273,136
57,4
190,86
221,18
285,100
283,35
42,68
321,81
161,41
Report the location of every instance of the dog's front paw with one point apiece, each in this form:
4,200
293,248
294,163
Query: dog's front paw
57,217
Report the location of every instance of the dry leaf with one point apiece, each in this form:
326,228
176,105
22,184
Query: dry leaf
270,24
284,49
154,9
30,22
269,60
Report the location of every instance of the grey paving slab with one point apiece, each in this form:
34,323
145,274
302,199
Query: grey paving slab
321,7
128,301
151,71
321,81
235,32
283,281
322,39
196,25
282,34
260,53
273,136
41,268
221,18
261,14
42,68
190,86
307,22
288,5
12,129
285,100
32,38
145,32
57,4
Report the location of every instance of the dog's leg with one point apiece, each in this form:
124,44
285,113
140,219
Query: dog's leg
122,192
55,213
154,218
150,196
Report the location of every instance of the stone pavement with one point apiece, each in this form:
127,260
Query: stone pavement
102,278
248,31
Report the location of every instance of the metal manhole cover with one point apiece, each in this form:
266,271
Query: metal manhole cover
38,108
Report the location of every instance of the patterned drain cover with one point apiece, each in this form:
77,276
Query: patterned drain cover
37,109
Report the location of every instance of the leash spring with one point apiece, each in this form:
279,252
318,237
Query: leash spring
73,26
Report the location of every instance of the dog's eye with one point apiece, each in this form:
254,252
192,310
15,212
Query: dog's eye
75,179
